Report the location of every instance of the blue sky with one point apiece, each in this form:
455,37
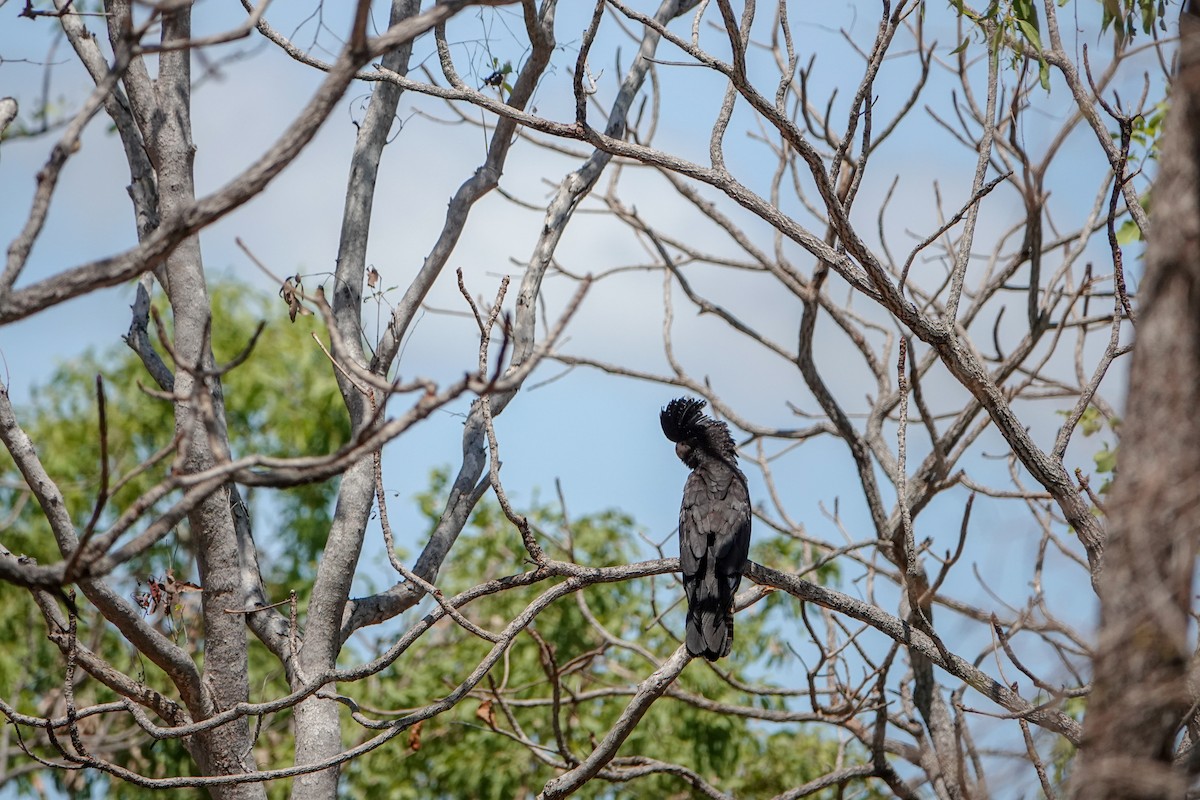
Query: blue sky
596,434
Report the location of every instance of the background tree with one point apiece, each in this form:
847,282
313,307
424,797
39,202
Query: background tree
1145,650
910,288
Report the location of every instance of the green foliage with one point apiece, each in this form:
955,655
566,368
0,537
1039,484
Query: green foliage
1018,20
1024,15
1125,17
1145,136
1147,129
1105,458
282,401
1063,752
1106,462
1091,423
470,751
1128,233
1015,20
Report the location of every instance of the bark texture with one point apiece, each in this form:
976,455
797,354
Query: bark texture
226,750
1141,694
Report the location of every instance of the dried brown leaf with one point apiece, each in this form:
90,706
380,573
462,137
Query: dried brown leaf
414,736
290,292
485,713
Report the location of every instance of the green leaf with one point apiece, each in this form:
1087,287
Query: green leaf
1106,460
1128,233
1030,32
1026,16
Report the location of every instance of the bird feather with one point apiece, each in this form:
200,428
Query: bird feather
714,524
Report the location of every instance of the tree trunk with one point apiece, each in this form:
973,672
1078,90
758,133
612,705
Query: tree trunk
228,749
317,724
1140,692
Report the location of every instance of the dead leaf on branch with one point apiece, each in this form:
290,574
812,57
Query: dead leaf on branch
414,736
485,713
291,292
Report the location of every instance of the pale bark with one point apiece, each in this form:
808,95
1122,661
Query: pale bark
225,678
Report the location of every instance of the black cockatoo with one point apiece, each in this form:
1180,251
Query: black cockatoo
714,524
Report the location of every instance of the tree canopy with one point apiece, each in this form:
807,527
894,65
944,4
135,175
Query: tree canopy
296,535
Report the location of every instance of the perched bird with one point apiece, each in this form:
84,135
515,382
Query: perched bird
714,524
